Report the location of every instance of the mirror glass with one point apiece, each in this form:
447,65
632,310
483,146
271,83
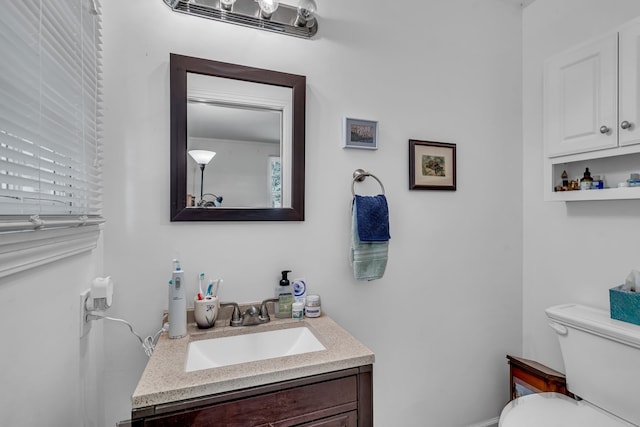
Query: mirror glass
243,123
253,120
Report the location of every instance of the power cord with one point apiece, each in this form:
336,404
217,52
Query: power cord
148,343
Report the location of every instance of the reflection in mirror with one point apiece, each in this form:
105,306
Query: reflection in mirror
243,123
253,120
240,172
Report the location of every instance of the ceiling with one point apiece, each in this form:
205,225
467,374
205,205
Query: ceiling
211,121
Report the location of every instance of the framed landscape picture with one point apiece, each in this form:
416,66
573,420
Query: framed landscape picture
432,165
359,133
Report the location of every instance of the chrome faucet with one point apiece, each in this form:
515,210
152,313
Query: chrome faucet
251,316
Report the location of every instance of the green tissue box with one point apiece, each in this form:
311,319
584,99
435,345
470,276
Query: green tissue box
625,305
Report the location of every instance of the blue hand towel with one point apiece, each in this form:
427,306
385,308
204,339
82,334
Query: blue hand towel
369,259
373,218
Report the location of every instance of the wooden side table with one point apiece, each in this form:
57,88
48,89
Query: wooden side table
527,377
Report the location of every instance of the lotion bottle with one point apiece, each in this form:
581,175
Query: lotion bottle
177,303
299,290
284,293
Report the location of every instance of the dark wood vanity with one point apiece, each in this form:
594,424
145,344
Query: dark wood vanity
335,399
325,388
527,376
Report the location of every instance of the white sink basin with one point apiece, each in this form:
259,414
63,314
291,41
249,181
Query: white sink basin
224,351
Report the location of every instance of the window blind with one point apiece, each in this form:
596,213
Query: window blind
50,135
50,152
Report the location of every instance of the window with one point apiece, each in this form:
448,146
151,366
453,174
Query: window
50,143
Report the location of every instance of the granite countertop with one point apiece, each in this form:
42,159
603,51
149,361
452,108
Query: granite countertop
164,379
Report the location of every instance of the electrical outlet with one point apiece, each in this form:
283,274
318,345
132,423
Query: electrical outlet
85,325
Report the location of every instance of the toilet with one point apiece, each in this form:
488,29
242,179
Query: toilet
602,362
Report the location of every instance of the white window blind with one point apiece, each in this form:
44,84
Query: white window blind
50,139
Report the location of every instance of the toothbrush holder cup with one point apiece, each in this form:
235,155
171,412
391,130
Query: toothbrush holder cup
206,311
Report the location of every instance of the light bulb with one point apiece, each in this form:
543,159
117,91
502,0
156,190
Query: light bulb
227,4
306,12
267,7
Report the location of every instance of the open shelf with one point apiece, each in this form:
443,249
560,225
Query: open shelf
625,193
613,169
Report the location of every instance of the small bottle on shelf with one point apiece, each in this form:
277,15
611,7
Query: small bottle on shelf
598,182
586,181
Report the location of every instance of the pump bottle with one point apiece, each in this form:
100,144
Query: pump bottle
177,303
284,293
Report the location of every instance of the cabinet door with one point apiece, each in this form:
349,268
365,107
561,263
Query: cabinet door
580,99
629,117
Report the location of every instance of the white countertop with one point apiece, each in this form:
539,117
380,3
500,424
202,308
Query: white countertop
164,379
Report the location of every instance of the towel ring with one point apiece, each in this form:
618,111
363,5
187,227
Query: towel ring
359,175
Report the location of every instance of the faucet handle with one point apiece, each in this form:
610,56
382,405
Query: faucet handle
264,313
236,319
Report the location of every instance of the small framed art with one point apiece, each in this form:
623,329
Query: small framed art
432,165
359,133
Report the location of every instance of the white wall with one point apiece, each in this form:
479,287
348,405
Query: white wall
449,306
49,376
248,160
573,252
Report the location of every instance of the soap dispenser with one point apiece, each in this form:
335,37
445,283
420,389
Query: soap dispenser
177,303
284,293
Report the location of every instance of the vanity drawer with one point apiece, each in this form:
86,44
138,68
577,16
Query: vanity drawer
350,419
322,401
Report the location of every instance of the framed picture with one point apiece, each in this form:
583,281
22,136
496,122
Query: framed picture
360,134
432,165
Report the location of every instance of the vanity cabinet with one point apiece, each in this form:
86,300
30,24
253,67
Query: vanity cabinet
592,112
335,399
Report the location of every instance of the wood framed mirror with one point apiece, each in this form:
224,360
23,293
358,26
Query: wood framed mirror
257,174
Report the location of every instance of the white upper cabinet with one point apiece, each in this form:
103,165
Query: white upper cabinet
580,98
592,115
629,86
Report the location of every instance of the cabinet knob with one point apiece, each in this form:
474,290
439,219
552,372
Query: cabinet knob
625,125
604,129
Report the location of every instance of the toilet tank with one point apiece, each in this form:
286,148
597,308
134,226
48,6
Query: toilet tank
601,358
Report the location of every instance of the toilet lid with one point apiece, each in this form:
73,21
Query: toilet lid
555,410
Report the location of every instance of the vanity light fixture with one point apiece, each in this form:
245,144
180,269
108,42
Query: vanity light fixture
268,15
202,157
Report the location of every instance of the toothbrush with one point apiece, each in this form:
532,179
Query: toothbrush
200,279
209,288
215,294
